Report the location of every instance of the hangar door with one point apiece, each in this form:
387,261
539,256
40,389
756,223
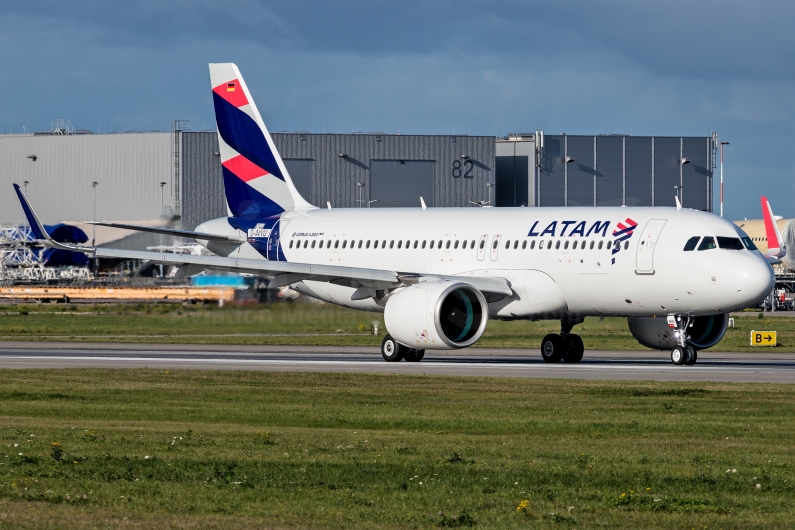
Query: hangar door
512,180
300,170
401,183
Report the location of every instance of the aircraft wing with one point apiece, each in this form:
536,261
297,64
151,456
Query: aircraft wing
171,232
283,273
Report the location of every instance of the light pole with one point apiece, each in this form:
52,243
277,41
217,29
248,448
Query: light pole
162,185
94,227
721,176
490,186
361,190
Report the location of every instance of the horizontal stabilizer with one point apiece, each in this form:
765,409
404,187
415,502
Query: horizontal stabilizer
172,232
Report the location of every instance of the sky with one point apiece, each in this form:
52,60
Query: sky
681,68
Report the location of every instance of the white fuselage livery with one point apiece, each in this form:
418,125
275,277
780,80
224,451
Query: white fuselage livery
557,260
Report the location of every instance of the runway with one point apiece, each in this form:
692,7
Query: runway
762,367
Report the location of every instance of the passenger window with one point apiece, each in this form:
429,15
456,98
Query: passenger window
472,244
431,245
541,245
482,243
691,243
416,243
383,243
367,245
313,243
408,243
566,245
549,245
306,243
392,243
524,244
730,243
344,244
494,245
507,244
516,244
626,244
400,243
532,244
707,243
557,244
291,244
748,243
337,244
423,244
600,245
590,247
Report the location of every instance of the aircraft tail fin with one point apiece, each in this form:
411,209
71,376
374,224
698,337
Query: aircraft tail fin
775,242
256,182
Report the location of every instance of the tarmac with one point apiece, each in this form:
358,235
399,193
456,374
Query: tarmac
765,366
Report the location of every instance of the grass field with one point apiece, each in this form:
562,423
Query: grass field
185,449
305,324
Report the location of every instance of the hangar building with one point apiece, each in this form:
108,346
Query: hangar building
157,176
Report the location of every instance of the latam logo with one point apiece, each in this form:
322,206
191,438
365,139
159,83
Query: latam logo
259,231
623,232
581,229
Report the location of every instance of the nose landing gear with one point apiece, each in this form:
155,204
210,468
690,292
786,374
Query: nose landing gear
683,353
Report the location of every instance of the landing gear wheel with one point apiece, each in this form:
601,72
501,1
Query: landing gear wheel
573,349
691,355
552,348
413,355
391,350
678,355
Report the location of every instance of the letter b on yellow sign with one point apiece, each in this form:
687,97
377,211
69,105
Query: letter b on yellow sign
763,338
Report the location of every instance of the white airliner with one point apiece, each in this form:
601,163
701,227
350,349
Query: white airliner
439,274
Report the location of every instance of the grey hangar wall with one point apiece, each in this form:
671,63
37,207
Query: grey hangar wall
393,170
605,170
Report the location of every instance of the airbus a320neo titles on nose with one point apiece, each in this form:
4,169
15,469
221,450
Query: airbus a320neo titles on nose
439,274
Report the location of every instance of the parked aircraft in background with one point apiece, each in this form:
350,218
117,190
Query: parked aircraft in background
773,235
438,274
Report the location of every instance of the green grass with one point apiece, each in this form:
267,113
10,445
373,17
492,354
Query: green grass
302,323
186,449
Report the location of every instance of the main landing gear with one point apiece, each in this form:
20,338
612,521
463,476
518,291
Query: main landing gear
565,347
394,352
683,353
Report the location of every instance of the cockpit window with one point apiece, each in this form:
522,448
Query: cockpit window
691,243
730,243
707,243
748,243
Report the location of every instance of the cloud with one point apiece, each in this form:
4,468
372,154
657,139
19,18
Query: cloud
618,66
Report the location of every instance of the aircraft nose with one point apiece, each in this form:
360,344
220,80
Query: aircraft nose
754,280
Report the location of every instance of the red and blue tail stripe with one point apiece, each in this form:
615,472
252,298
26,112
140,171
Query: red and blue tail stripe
256,182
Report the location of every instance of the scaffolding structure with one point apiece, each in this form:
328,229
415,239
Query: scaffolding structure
22,262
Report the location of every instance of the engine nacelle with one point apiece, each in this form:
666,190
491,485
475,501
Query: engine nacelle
436,315
705,331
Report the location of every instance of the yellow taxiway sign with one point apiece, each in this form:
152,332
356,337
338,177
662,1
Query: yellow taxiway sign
763,338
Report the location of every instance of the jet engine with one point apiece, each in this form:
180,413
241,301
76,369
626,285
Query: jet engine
436,315
704,332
